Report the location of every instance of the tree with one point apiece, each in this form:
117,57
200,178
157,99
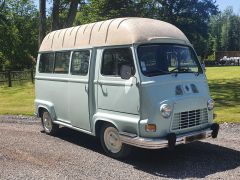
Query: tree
215,30
72,13
18,34
55,14
224,31
62,16
192,17
2,3
63,13
2,16
97,10
234,33
42,21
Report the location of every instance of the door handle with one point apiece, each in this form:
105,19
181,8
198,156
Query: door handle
86,88
105,93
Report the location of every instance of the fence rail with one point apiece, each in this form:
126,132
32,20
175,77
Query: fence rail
8,77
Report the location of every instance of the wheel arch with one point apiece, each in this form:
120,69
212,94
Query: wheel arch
99,123
41,107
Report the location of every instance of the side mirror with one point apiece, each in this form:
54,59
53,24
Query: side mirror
125,72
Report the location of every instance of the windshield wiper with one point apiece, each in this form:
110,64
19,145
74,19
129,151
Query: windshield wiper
181,70
157,72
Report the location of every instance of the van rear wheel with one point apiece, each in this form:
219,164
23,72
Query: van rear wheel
111,142
48,125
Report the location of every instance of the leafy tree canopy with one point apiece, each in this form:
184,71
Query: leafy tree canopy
191,16
18,34
200,20
224,31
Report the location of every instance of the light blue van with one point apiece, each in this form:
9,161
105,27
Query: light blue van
128,81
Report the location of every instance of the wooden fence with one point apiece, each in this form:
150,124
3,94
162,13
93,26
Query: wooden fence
8,77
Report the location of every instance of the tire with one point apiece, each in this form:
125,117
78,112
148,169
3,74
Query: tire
111,143
48,125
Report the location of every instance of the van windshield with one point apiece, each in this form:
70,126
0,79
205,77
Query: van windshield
160,59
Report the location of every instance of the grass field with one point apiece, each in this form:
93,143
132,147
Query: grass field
224,83
18,99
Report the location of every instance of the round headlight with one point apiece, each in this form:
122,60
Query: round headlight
210,104
165,110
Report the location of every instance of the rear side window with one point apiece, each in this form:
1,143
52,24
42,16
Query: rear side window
113,59
80,62
62,62
46,63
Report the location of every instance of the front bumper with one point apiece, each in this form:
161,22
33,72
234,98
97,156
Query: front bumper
171,140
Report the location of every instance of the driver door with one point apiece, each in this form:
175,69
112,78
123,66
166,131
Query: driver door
114,93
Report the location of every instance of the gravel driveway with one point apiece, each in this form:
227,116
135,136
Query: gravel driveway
27,153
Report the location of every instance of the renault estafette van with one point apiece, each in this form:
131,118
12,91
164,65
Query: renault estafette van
128,81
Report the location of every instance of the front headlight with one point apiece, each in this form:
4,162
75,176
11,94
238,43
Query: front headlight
210,104
165,110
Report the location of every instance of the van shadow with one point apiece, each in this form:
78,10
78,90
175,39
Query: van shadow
195,160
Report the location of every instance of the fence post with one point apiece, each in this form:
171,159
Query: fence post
32,78
9,79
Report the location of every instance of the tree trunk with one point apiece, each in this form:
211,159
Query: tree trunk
42,21
55,15
72,13
2,3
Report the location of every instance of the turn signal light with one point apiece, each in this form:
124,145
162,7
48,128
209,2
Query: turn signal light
150,127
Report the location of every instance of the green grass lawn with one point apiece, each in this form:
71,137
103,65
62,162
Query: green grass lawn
224,83
17,100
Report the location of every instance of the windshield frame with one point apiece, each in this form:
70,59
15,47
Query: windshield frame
195,58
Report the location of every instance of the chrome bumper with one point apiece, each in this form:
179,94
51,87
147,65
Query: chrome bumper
157,143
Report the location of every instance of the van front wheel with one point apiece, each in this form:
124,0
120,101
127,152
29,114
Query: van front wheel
111,142
48,126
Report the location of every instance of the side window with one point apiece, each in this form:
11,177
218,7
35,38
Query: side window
46,63
62,62
80,62
113,59
109,63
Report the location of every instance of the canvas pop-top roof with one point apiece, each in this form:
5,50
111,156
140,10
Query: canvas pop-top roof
118,31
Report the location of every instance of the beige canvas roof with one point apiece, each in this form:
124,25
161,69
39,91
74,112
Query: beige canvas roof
118,31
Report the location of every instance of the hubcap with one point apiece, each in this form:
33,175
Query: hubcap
47,122
112,140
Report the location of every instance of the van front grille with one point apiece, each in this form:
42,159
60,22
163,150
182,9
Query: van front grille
189,119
